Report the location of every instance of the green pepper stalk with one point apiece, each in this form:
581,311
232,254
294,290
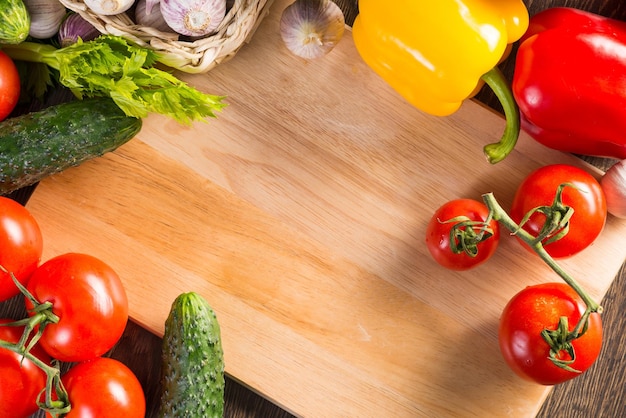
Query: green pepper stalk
498,151
561,338
389,38
109,66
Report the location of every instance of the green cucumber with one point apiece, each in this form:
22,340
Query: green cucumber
14,21
192,373
38,144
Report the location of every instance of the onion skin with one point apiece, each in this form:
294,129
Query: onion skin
195,18
310,29
74,27
614,186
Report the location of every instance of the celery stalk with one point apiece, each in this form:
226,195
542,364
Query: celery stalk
110,66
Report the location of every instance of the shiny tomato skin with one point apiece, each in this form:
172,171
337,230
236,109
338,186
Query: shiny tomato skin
88,297
438,234
104,388
21,242
536,308
21,380
9,85
587,199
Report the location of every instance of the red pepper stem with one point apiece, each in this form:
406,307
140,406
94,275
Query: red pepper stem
497,151
501,216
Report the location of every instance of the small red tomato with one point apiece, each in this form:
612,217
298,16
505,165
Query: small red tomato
438,234
21,242
585,196
9,85
21,380
103,388
88,297
531,311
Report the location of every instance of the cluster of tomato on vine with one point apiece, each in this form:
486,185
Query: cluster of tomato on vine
551,332
77,310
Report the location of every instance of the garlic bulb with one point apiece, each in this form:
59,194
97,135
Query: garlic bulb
311,28
108,7
614,186
74,27
45,17
148,13
194,18
149,4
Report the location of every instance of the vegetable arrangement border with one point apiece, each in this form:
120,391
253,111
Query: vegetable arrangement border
198,56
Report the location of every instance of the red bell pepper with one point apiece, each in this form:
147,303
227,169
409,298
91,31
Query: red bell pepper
570,82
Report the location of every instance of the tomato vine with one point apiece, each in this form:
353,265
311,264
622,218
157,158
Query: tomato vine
55,401
559,339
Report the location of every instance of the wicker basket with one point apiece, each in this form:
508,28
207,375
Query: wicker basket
197,56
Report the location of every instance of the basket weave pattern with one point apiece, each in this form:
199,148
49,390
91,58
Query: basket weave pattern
197,56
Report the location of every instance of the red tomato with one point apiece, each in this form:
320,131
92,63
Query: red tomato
9,85
21,380
21,243
90,300
103,388
438,234
586,198
537,308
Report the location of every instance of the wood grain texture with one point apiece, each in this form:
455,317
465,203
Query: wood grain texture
597,393
302,188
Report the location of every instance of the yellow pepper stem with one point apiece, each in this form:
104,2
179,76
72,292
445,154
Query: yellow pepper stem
497,151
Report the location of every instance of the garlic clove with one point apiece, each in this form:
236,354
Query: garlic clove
194,18
148,13
311,28
614,186
74,27
45,17
150,4
109,7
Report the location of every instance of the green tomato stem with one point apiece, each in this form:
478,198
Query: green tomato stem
53,380
42,316
501,216
465,234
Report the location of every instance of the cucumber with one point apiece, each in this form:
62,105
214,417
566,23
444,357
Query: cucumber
38,144
14,21
192,373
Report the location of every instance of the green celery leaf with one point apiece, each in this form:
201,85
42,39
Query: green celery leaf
111,66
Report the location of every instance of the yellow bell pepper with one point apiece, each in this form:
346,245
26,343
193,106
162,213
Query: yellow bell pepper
437,53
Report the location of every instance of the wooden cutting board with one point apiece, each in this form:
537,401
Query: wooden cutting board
300,215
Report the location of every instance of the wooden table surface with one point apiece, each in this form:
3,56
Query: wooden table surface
597,393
